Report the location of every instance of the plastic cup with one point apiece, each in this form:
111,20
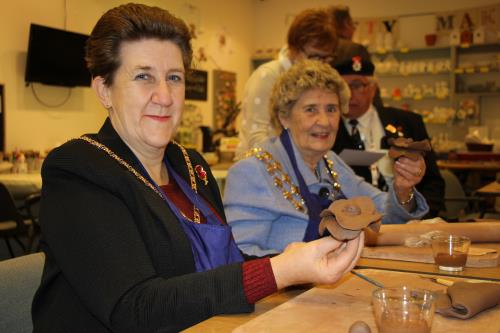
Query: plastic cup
403,310
450,252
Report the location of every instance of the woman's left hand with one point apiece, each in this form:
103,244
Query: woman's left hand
407,174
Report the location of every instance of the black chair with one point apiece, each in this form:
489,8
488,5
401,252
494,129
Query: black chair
32,206
458,205
12,225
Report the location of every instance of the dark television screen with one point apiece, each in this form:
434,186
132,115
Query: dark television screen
56,57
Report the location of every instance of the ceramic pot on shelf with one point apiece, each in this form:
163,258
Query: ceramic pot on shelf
430,39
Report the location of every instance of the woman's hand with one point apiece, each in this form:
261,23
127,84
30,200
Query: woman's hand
407,174
324,260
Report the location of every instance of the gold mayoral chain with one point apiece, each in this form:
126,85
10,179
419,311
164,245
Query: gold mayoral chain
192,179
282,180
333,174
196,211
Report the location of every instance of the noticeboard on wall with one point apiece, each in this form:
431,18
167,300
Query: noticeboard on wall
196,85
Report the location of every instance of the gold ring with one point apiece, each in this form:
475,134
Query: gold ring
419,172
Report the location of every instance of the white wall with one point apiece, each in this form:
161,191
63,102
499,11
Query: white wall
30,125
248,24
274,16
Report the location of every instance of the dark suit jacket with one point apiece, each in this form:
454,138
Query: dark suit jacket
412,126
117,258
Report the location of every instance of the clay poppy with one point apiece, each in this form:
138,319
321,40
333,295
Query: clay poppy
345,218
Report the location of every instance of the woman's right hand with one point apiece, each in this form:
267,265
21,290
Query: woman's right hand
322,261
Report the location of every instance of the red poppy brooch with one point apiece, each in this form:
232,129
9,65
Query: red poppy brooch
201,173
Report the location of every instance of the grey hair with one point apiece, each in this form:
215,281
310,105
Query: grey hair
301,77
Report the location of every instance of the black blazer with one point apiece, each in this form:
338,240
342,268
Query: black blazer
412,126
117,258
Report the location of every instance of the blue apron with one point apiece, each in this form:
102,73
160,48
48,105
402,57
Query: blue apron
212,242
314,202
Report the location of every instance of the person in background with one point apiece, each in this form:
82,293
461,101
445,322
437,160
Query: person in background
365,126
134,232
346,48
274,196
311,35
345,28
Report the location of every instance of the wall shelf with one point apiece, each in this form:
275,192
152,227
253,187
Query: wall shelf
470,66
472,48
389,75
476,72
412,99
432,49
479,48
478,94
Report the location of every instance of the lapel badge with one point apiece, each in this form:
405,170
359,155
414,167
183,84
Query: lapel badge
201,173
390,128
356,63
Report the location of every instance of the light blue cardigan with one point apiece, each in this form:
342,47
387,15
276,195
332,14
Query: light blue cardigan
264,222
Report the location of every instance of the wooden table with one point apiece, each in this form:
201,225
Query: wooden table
334,308
484,273
491,194
420,260
226,323
469,165
5,167
490,190
21,185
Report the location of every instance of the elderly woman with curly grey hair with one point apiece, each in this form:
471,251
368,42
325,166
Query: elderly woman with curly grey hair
274,196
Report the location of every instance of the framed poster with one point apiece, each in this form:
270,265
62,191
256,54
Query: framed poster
2,118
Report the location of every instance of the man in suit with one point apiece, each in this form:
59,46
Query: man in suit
368,127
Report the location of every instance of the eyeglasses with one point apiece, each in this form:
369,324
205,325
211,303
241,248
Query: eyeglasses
328,58
358,86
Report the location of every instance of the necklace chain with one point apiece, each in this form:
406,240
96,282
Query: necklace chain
333,174
196,212
282,180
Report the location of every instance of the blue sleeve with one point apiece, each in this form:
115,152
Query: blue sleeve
261,220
